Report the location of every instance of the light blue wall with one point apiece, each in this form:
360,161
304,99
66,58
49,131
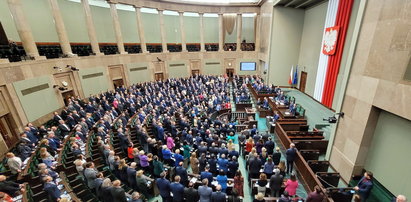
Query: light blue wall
40,19
138,76
177,71
128,24
213,69
103,24
74,20
192,29
211,30
94,85
7,22
388,155
39,103
151,24
285,43
172,28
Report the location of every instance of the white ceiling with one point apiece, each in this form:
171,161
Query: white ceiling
216,2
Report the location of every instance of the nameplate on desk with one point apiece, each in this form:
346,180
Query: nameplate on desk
282,103
287,113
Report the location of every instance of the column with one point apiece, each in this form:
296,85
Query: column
257,33
239,30
163,31
61,29
90,28
183,33
141,30
117,28
23,29
202,44
221,32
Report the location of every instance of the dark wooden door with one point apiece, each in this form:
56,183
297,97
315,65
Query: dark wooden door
158,76
67,95
195,72
303,81
118,83
230,72
6,130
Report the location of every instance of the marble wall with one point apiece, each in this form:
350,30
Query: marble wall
376,82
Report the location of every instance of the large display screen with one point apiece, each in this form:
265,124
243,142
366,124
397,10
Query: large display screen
248,66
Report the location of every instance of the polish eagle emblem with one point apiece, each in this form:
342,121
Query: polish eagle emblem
330,40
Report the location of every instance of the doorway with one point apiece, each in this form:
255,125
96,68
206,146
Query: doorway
118,83
195,72
230,72
67,95
158,76
303,81
6,130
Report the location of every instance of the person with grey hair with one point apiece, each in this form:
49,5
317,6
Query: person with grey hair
400,198
135,197
276,181
218,195
204,191
291,154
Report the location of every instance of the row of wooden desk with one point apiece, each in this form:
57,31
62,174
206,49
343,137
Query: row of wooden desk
310,144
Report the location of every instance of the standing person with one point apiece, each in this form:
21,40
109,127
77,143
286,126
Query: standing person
164,186
269,167
191,194
205,191
276,181
51,188
291,185
218,196
91,174
315,196
158,167
254,167
365,185
194,163
14,163
222,180
177,189
276,156
118,193
291,153
239,183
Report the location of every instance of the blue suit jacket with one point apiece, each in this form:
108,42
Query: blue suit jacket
164,186
365,187
218,197
178,191
52,190
207,175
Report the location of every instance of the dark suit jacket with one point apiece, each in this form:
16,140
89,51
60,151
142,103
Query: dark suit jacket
182,172
52,190
207,175
365,188
178,191
164,187
290,154
9,187
255,166
118,194
191,194
106,193
218,197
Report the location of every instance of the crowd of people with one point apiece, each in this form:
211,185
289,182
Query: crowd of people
177,139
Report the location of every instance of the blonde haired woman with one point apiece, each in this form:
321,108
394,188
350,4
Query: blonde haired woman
194,163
